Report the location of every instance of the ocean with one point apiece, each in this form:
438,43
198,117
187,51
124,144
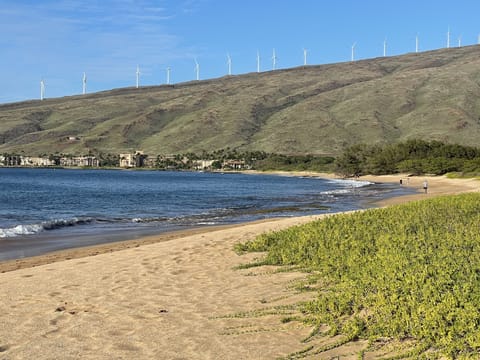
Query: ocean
43,210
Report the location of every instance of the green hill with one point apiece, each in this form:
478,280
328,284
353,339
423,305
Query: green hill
320,109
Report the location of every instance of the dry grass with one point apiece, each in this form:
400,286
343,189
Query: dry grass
313,109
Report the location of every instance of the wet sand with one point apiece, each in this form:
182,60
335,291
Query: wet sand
172,296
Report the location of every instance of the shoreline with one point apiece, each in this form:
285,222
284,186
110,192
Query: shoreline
49,244
172,296
439,185
110,247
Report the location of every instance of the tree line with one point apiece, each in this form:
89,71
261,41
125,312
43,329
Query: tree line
415,157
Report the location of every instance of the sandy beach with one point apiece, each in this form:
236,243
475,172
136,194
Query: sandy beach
172,296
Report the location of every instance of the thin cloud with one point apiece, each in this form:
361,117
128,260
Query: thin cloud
58,40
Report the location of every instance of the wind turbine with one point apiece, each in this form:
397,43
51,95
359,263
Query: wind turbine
168,75
258,60
42,89
353,51
229,64
305,57
460,41
478,39
385,47
274,60
84,81
138,76
448,38
416,43
197,69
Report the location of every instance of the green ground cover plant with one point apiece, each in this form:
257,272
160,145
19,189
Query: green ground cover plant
408,272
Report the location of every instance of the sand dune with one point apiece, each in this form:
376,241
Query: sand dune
179,298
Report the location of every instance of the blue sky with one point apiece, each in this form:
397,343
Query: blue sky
59,40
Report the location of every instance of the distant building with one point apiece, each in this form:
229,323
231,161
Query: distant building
202,164
149,162
140,158
37,161
33,161
127,160
133,160
12,160
90,161
235,164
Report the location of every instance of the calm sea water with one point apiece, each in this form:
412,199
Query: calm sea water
66,206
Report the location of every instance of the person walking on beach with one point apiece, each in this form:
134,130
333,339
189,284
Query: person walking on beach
425,185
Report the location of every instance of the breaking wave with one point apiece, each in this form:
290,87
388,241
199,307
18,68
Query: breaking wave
348,186
30,229
351,183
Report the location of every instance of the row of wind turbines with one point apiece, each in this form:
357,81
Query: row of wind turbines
229,66
168,71
273,58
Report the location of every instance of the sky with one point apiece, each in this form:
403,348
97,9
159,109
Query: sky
57,41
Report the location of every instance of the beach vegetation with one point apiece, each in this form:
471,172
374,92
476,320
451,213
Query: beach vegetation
109,160
295,163
415,157
406,274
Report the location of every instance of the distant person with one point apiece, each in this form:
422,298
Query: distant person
401,181
425,186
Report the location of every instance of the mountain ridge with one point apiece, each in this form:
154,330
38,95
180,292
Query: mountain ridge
315,109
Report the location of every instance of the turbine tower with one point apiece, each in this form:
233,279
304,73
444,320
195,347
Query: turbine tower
138,76
258,60
460,41
42,89
197,69
385,47
448,38
229,64
84,82
416,43
168,75
353,51
274,60
305,57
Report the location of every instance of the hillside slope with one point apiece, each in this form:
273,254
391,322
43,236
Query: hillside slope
313,109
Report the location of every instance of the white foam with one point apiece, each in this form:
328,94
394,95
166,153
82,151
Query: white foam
21,230
352,183
30,229
338,191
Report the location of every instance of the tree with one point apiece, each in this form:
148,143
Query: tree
352,161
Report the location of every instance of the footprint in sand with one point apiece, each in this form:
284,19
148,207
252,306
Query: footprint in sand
70,286
127,347
178,272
